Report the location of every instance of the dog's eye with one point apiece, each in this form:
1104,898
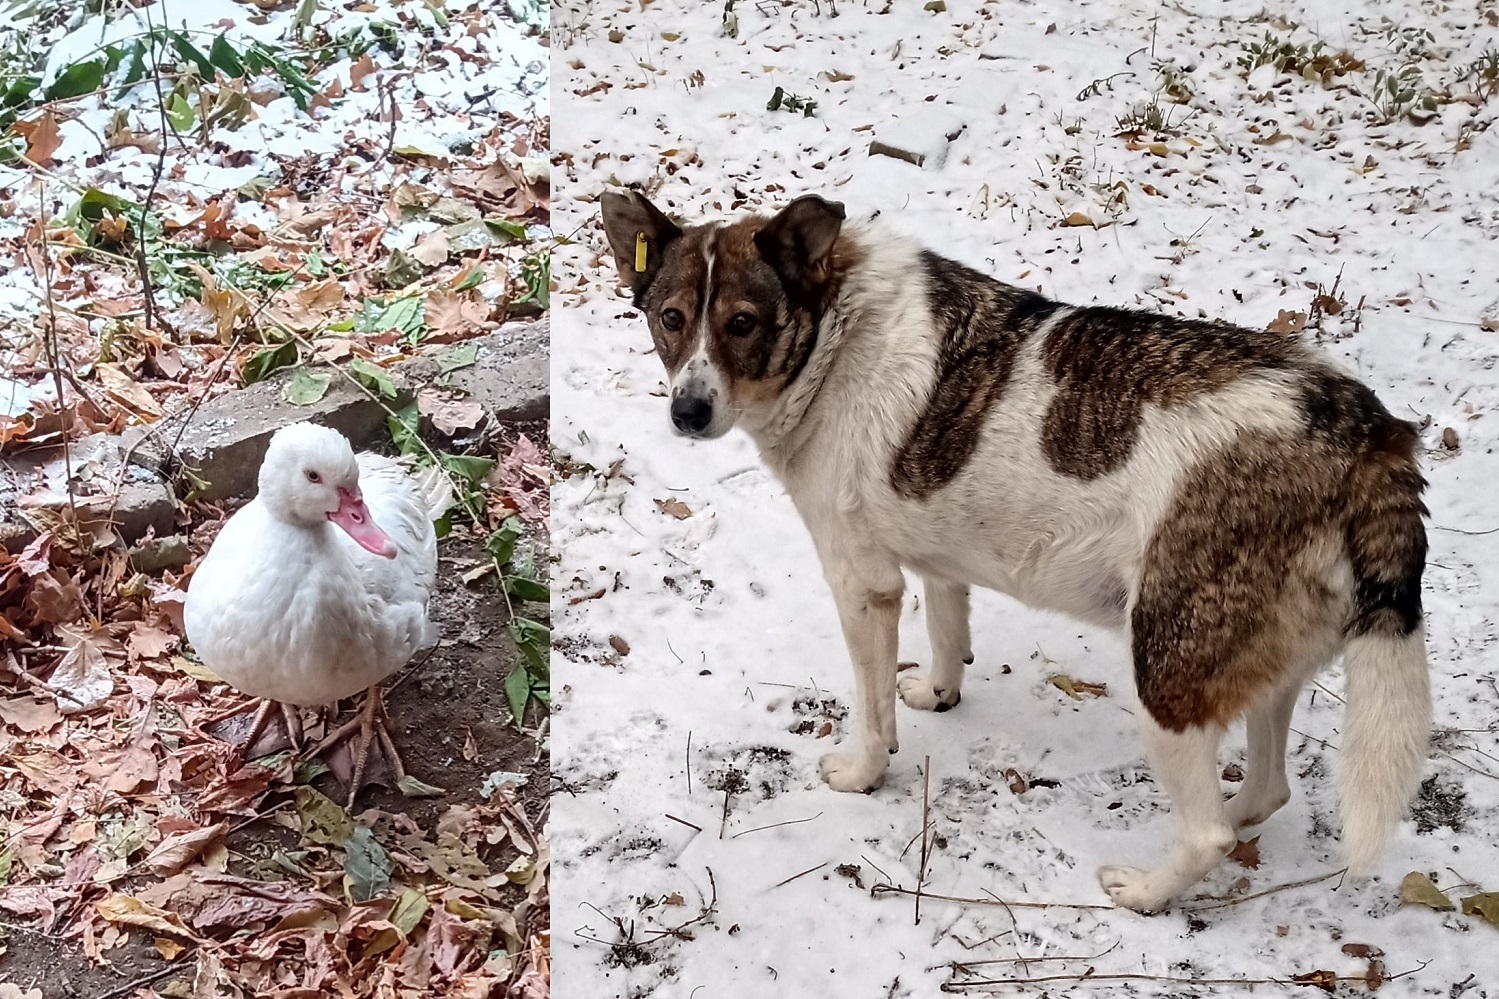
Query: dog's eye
673,319
313,476
741,324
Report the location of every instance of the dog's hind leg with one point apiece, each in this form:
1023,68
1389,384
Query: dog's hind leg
1186,765
1265,787
870,615
947,626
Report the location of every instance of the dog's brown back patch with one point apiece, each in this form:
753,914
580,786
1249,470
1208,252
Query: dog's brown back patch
982,324
1109,363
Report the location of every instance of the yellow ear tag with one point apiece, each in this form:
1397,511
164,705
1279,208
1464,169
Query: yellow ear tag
640,253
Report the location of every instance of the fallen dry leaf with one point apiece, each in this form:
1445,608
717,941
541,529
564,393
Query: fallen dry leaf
1075,689
1418,889
451,411
176,852
1246,853
1287,322
42,136
674,507
131,911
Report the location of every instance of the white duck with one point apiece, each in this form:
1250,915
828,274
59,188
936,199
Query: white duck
317,589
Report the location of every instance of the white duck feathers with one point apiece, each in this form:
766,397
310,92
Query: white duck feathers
291,607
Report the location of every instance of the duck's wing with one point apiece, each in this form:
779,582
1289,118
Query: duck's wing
400,587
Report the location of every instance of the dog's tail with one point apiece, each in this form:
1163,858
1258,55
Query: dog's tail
1388,723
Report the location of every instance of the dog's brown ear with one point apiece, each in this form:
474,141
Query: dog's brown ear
638,234
798,242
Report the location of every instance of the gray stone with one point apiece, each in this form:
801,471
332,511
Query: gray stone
226,439
110,495
170,552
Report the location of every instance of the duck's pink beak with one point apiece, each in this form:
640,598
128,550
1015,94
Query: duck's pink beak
354,517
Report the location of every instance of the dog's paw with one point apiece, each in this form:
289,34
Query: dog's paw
853,771
1242,811
1132,888
917,691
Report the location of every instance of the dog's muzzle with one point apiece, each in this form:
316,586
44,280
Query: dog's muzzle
691,413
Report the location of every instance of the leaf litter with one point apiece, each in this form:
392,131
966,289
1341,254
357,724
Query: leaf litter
139,278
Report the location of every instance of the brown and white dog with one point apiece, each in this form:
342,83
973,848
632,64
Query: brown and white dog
1241,509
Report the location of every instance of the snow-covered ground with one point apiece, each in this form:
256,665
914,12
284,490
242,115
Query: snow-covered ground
701,653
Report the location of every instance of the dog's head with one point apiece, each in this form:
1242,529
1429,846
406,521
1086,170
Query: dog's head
733,308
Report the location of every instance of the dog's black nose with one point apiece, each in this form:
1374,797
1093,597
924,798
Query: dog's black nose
691,414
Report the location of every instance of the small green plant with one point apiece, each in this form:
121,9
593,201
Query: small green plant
1278,52
536,272
520,580
1176,84
1150,117
782,101
1410,42
1402,93
1484,73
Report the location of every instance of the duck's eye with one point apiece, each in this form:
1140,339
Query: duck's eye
313,476
673,319
741,324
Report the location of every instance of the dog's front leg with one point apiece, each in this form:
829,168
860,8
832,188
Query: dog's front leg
869,610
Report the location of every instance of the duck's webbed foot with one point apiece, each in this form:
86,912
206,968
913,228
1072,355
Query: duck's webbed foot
362,737
272,727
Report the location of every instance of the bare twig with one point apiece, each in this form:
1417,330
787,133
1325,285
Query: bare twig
926,801
801,875
888,889
155,976
788,822
1223,903
689,825
1089,976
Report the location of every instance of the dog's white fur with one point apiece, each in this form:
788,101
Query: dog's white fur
1011,522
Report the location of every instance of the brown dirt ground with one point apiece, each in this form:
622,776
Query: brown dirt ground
432,707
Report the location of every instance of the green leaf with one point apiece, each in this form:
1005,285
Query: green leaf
75,81
514,230
533,639
263,362
522,588
6,861
323,820
224,58
405,315
180,113
774,103
403,426
501,544
187,50
518,693
1417,889
413,788
306,387
373,377
367,866
474,279
1485,904
457,357
468,468
306,771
